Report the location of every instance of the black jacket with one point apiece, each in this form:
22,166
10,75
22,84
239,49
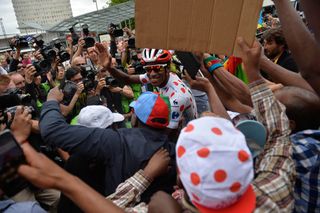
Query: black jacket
123,151
286,61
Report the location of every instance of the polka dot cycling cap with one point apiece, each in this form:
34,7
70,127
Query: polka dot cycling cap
215,166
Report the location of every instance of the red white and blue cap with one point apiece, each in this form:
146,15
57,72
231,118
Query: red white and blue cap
152,109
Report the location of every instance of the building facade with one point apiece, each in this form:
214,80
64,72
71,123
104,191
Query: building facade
45,13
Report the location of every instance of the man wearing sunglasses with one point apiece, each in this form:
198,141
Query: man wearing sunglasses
157,66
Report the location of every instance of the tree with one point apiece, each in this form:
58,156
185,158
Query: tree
114,2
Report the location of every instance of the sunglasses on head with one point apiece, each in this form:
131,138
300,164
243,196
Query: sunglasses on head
155,68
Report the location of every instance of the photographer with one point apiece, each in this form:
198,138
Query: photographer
74,97
115,93
34,86
16,57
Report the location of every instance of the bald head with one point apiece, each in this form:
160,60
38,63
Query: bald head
78,61
18,80
302,107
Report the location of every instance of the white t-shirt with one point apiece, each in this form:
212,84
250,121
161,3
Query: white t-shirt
181,99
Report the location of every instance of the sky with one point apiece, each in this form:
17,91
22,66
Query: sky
9,19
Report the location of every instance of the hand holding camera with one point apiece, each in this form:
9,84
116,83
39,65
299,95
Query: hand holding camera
81,43
55,94
30,71
80,88
21,125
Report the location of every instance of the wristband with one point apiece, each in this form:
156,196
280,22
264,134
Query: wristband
212,63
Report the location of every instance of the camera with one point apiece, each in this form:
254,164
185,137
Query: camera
74,36
42,66
68,88
12,110
19,42
138,67
9,102
89,41
11,158
89,77
14,97
116,32
110,81
62,54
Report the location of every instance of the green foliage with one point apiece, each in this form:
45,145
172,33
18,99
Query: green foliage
114,2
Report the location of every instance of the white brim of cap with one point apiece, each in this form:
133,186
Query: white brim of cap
117,117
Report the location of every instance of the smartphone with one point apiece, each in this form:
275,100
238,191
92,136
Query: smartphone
11,156
190,63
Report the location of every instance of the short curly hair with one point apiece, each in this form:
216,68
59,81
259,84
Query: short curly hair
275,34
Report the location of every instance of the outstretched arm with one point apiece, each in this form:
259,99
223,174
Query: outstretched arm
105,61
303,45
43,173
282,75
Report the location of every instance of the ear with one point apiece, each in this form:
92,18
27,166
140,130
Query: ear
292,125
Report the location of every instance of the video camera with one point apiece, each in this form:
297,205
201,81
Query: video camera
116,32
9,102
110,81
19,42
49,53
136,64
88,73
74,36
89,41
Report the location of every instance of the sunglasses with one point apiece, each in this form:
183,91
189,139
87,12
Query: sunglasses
155,68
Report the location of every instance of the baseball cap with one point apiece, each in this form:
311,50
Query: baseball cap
253,130
255,134
98,116
152,109
215,166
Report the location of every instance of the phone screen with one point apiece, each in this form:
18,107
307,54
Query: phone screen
189,62
11,156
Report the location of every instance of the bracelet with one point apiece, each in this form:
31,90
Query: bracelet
212,63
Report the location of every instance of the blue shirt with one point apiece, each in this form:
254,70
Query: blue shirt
306,154
10,206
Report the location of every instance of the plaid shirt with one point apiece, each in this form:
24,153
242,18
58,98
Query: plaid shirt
128,193
274,168
306,152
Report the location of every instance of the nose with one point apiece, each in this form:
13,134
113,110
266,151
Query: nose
153,73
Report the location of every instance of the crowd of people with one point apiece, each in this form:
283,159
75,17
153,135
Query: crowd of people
115,128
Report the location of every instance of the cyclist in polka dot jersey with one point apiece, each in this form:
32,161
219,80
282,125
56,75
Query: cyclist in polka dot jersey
156,63
180,96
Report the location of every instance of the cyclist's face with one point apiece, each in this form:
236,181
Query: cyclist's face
158,75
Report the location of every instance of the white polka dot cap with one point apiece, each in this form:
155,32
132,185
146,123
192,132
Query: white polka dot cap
215,166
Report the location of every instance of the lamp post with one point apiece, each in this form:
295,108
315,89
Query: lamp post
3,29
96,4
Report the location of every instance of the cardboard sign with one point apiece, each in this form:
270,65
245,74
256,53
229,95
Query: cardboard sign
210,26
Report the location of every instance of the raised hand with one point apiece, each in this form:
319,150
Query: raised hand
30,71
200,83
21,125
251,58
103,56
55,94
